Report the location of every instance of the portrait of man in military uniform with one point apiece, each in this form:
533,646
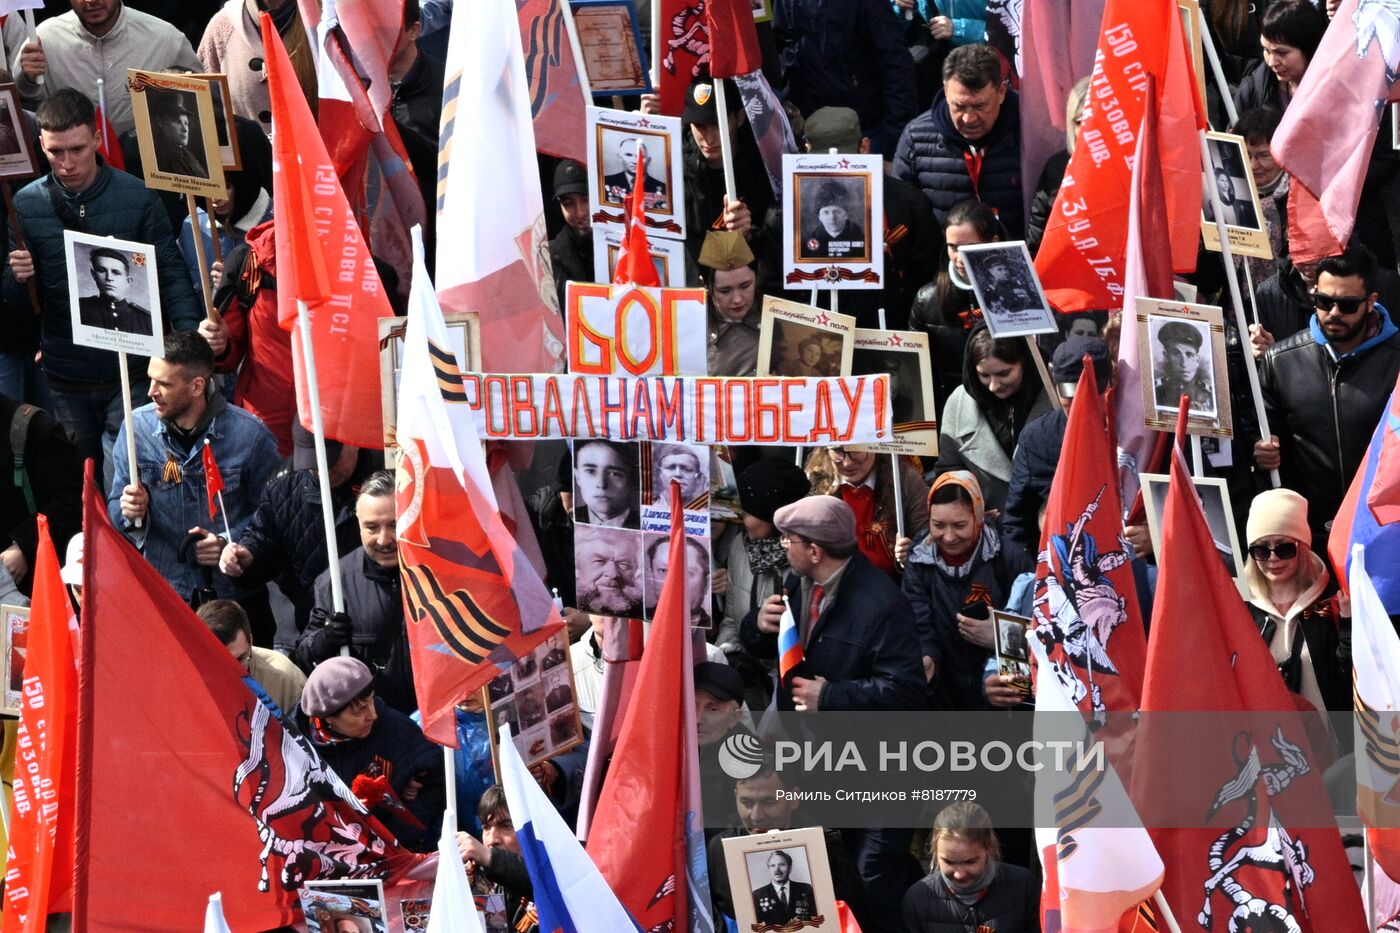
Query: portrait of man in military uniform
831,216
174,125
781,899
618,185
1181,365
1004,287
111,308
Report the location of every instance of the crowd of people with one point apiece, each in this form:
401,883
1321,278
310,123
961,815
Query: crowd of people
889,565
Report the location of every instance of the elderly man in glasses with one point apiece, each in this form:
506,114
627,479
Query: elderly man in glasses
1326,388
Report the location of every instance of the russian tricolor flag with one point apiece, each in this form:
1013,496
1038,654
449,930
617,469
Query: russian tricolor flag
790,654
1368,515
570,893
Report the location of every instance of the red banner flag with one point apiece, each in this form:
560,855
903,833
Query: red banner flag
648,812
1244,860
472,602
685,50
213,479
175,750
315,232
556,99
39,872
1081,258
1086,608
733,39
107,143
634,265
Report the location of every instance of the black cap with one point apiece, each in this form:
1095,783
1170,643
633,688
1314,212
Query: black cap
1068,364
769,484
570,178
304,449
700,104
720,681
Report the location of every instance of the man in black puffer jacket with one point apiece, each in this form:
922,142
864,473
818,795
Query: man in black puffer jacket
84,194
969,143
286,539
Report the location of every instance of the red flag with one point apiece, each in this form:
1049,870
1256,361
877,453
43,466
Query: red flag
648,808
733,38
315,231
685,50
1081,258
634,265
174,750
107,143
1327,132
39,876
1250,766
1086,608
213,479
556,100
472,601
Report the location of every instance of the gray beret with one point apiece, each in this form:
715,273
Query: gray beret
333,684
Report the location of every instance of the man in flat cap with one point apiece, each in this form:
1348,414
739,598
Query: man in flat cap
836,236
1180,370
840,601
860,647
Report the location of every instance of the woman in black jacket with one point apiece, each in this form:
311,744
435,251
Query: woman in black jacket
968,888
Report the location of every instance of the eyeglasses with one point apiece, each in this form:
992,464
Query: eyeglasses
1284,550
786,539
1347,306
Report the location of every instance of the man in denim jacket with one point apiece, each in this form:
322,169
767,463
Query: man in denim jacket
169,502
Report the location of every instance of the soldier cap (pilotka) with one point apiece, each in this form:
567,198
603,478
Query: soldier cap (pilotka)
725,251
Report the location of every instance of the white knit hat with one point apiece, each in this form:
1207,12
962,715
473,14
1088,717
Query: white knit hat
1278,512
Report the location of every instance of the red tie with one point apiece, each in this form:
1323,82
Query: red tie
815,612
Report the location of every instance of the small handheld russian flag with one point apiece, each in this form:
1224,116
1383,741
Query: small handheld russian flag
790,656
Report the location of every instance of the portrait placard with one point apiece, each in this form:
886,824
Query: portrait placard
1012,649
611,43
614,138
635,330
1190,13
463,329
668,256
18,160
175,130
781,880
1214,495
16,633
344,907
113,294
225,127
1239,200
536,696
904,355
686,464
1184,345
656,557
801,340
833,221
1008,290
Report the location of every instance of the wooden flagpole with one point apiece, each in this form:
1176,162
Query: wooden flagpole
199,256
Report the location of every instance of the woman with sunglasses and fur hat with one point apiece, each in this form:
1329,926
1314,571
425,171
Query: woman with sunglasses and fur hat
1306,631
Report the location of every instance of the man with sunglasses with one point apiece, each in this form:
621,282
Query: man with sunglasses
1325,388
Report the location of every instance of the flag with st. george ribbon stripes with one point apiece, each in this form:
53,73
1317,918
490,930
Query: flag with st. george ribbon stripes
473,604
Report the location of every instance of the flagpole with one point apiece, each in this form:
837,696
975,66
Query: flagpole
449,765
33,31
1204,30
1166,909
1233,278
1370,879
726,145
894,473
133,471
1198,466
576,47
318,428
199,256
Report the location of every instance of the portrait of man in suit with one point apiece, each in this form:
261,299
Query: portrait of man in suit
782,899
